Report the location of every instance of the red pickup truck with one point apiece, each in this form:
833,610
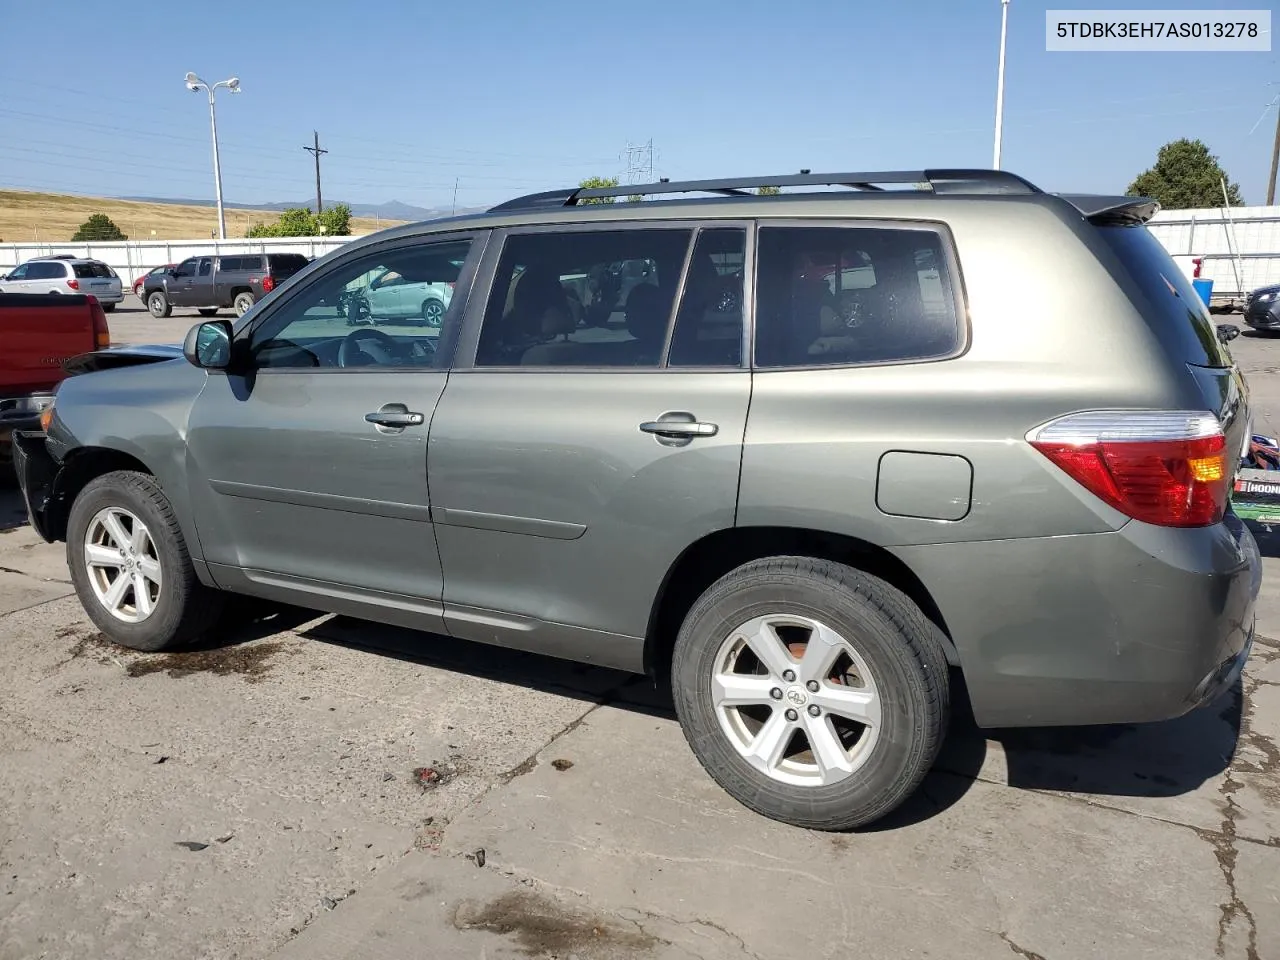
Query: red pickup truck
38,334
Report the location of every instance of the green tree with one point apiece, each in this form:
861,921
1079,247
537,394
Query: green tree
597,183
768,191
336,221
98,227
1185,176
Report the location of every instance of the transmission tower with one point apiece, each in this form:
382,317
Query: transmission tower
639,161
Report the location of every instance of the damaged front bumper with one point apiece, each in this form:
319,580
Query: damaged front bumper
36,471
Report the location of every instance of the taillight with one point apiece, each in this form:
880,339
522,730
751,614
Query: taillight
1169,468
73,284
101,333
268,284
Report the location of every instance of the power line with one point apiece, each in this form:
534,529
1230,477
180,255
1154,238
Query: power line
315,151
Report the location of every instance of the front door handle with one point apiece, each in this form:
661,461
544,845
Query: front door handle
395,418
679,426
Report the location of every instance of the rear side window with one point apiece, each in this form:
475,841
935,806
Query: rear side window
1173,309
287,264
230,263
851,295
87,270
583,298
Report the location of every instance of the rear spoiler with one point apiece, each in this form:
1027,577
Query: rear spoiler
1112,211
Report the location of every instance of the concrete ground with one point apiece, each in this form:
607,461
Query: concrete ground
258,799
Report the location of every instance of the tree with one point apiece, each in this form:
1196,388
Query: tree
767,191
301,222
336,221
1185,176
598,183
98,227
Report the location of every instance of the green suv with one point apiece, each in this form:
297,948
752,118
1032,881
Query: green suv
806,458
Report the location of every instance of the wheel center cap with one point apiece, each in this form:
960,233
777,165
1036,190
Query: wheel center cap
797,695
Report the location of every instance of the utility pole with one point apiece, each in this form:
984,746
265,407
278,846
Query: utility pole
1275,160
316,151
1004,32
454,211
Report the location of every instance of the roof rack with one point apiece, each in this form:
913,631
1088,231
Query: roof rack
937,181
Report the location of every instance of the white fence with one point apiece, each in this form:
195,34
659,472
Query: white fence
1237,260
132,258
1239,252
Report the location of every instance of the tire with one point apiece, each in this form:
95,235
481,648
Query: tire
181,608
208,311
903,671
108,307
432,311
159,305
243,301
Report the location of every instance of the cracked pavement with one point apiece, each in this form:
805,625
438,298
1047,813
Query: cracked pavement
258,800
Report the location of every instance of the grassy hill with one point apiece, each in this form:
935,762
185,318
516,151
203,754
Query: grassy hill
53,217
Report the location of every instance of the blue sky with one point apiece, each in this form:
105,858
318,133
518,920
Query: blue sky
512,97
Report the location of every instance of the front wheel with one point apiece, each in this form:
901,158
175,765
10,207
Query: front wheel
130,566
432,311
813,693
159,306
242,303
207,311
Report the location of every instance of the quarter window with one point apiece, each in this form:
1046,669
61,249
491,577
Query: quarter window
851,295
591,298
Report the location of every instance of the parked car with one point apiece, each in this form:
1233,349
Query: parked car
214,283
1262,308
386,295
154,271
816,462
38,333
66,275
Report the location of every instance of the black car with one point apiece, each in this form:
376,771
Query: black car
1262,308
210,284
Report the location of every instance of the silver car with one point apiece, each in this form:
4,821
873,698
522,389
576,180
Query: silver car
805,459
65,274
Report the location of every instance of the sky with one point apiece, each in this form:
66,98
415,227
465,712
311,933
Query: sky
504,98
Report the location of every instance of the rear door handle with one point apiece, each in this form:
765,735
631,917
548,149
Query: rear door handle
682,429
395,418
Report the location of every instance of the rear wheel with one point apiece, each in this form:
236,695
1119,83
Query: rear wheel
130,566
812,692
243,302
208,311
159,305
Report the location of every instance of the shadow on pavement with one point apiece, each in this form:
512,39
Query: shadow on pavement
1267,537
13,512
1164,759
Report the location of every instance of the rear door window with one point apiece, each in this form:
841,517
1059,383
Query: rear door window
1172,308
229,263
853,295
206,266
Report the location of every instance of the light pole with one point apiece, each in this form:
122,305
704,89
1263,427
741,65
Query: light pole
1004,32
195,84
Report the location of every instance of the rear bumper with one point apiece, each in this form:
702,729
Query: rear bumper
36,471
1141,624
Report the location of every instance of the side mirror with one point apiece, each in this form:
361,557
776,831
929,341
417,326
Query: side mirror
208,345
1227,332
